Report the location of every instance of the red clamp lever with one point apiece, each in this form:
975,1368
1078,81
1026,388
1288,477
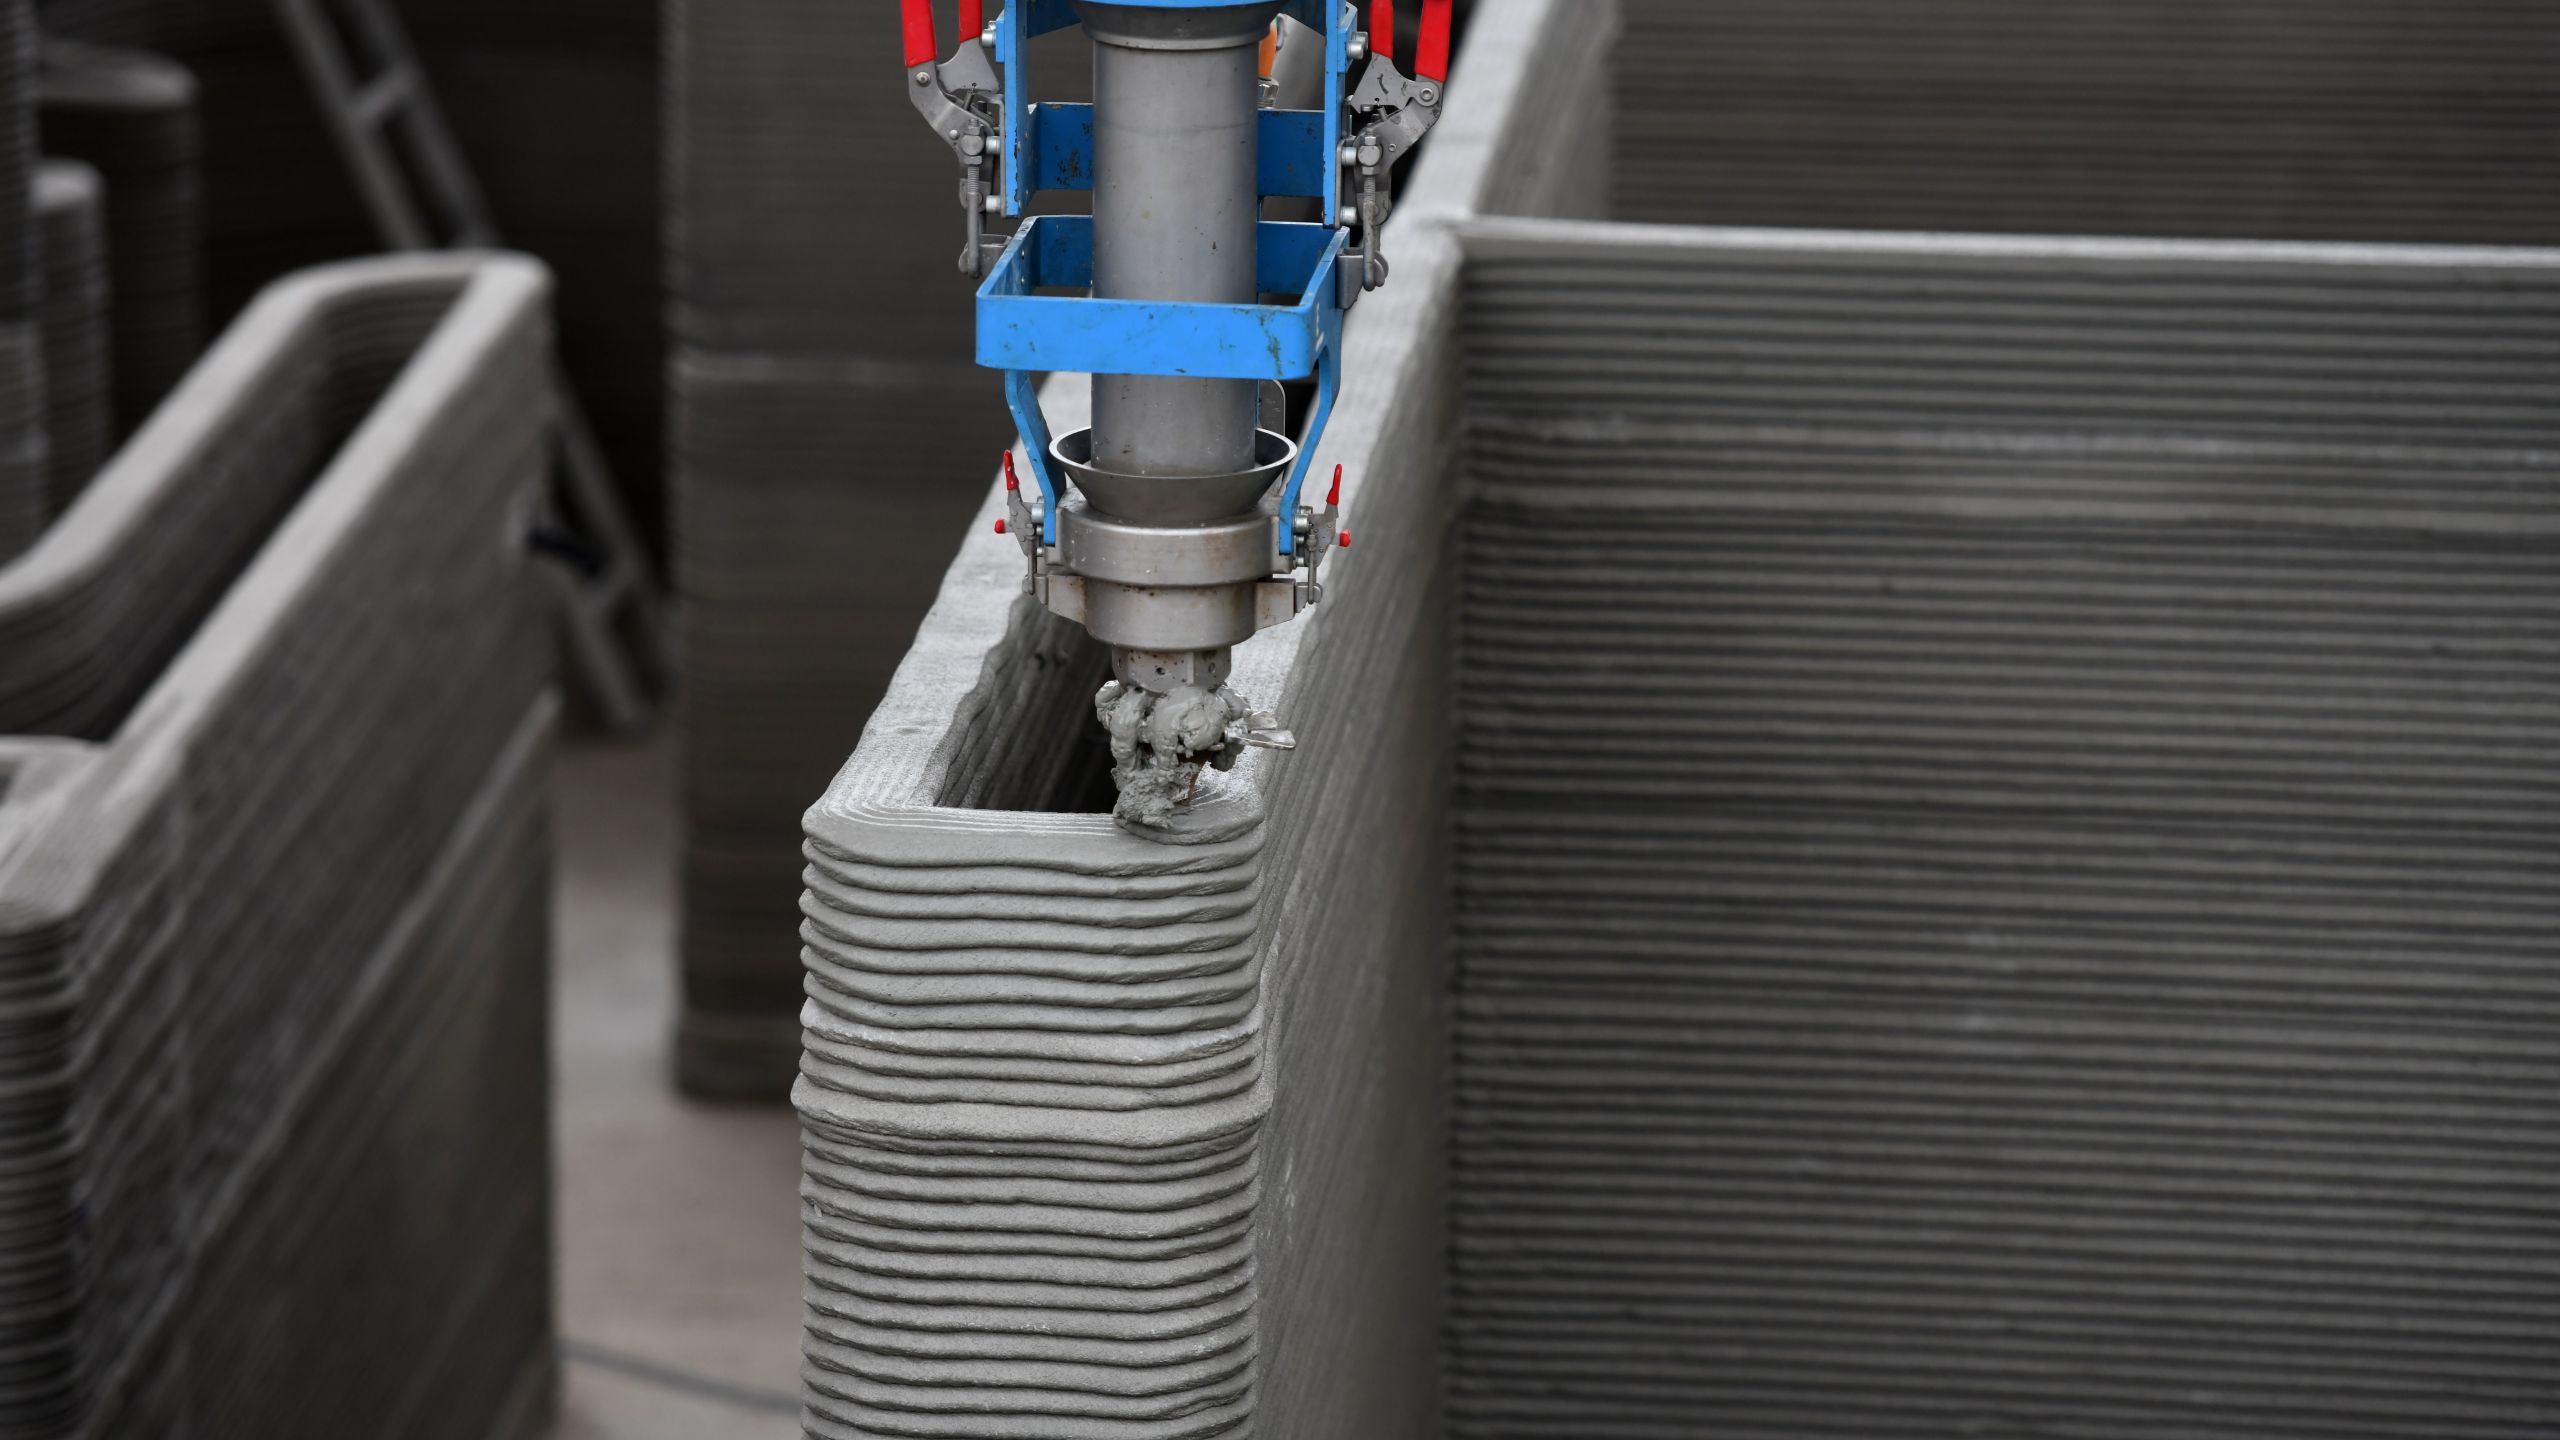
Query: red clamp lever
1431,54
919,29
922,48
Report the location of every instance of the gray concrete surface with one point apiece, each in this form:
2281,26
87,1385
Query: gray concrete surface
1997,836
679,1222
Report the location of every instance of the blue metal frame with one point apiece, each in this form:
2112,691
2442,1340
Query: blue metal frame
1050,147
1020,329
1022,332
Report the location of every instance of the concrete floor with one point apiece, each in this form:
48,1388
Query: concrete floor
678,1222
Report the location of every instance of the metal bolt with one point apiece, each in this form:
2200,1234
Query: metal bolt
1358,46
987,37
924,77
995,205
1429,96
1350,216
1350,153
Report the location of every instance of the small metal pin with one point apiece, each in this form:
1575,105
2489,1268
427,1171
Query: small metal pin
1263,731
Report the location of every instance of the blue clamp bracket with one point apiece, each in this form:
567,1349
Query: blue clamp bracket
1022,332
1050,147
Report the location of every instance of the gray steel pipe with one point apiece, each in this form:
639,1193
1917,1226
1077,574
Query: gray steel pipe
1176,101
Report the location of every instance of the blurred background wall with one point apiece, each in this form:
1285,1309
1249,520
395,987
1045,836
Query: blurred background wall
556,103
828,423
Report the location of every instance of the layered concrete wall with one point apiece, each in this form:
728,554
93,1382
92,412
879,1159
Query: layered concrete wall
2380,120
1102,1131
2004,848
273,888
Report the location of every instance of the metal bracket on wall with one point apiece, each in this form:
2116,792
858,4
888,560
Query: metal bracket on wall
421,195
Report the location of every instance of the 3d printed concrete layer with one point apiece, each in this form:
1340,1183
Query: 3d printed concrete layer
1102,1131
2251,119
2005,848
270,1160
1032,1091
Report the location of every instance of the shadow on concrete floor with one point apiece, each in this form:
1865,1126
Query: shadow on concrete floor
679,1223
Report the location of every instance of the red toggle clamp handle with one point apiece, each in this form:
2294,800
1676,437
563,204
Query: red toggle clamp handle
1431,52
1431,55
917,15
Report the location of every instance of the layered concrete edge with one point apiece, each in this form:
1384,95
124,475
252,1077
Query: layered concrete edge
286,725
